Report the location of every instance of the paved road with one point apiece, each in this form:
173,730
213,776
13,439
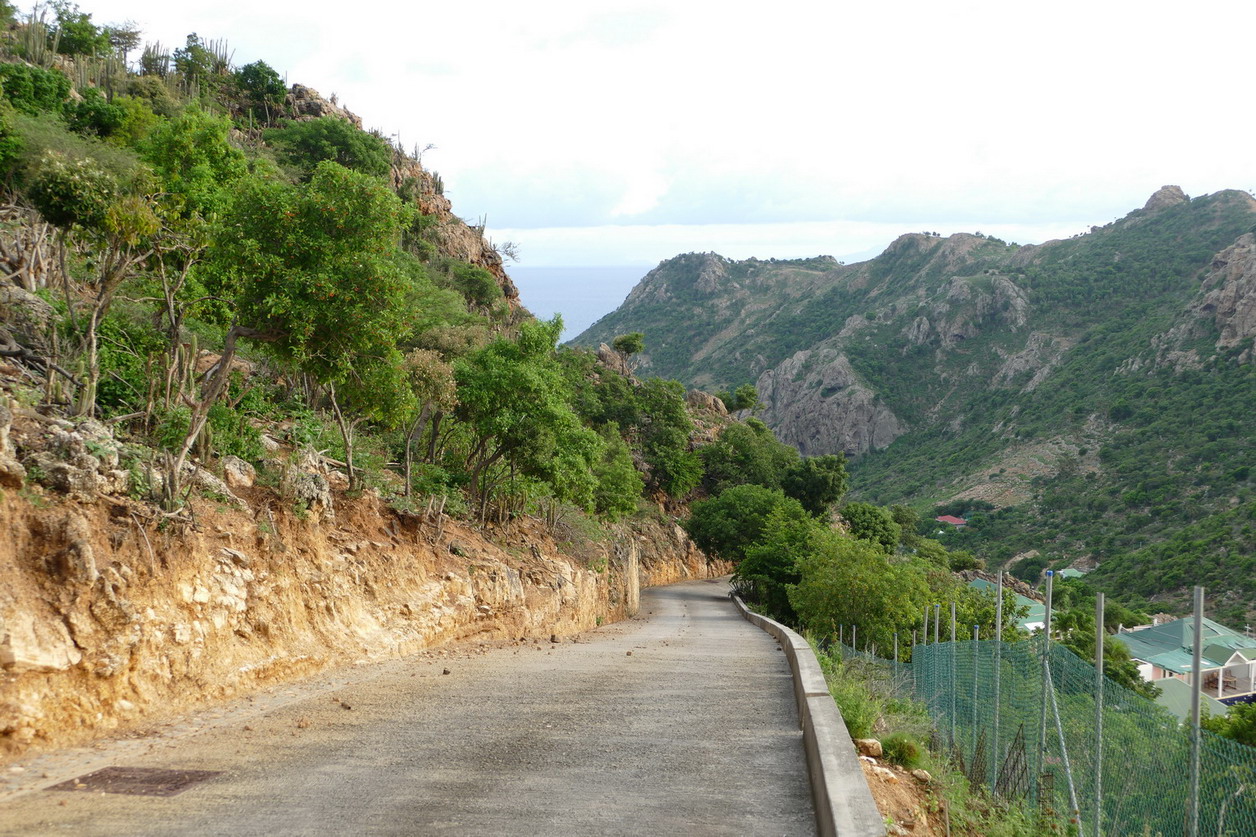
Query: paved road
678,722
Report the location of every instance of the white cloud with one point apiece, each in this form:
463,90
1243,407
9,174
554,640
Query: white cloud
558,120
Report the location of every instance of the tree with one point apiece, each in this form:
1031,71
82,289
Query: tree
75,34
619,486
513,396
124,37
629,344
305,144
302,263
845,581
431,380
198,165
728,525
34,90
745,452
665,427
770,565
873,524
262,87
817,482
1239,723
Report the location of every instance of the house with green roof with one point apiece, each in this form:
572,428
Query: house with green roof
1035,617
1227,669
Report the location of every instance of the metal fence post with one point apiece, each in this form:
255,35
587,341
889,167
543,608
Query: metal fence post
1046,678
1099,632
976,656
954,678
995,755
1197,682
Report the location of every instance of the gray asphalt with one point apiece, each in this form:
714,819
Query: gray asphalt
680,721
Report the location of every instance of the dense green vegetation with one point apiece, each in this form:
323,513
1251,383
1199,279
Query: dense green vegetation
1132,419
221,266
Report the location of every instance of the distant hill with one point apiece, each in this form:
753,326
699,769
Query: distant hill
1093,395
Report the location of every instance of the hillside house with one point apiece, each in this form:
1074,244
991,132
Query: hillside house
952,520
1228,668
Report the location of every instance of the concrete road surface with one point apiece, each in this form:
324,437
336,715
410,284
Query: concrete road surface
680,721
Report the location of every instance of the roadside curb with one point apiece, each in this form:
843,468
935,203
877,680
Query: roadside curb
843,802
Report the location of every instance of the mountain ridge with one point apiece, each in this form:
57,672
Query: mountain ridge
970,369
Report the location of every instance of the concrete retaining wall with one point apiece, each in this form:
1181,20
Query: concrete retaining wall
843,802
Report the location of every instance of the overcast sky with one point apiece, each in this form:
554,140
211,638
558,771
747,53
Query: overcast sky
609,133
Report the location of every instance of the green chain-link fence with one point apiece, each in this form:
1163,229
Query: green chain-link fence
1028,728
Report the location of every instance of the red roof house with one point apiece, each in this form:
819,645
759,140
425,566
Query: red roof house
951,519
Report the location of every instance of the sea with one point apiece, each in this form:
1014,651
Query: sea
581,294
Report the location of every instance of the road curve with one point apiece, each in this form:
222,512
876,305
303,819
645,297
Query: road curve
681,721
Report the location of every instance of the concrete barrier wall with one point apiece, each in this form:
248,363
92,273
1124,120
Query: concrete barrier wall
843,802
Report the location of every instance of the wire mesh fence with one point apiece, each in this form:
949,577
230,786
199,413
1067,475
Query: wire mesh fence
1042,727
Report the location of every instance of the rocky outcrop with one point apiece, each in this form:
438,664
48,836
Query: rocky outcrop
452,236
1165,197
1033,364
110,618
815,402
25,316
613,360
12,473
704,402
305,104
1229,298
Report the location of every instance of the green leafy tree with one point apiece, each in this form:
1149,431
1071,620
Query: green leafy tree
817,482
34,90
873,524
74,32
629,344
262,87
431,379
619,486
94,116
728,525
1239,723
305,144
665,427
846,581
300,264
770,565
745,452
196,162
124,37
513,396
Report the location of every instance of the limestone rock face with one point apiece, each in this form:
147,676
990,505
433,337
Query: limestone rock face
36,645
12,474
816,402
705,402
1166,196
237,473
613,360
1230,295
26,316
81,461
308,104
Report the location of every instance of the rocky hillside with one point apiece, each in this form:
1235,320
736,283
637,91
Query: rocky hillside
1094,388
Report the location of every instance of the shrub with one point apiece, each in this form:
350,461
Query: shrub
903,749
306,144
34,90
68,192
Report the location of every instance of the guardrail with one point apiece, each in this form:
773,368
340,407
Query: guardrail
843,803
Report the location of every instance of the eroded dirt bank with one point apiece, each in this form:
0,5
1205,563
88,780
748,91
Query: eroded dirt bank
109,620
